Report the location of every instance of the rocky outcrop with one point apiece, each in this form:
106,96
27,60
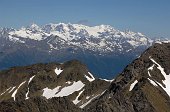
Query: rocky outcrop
143,86
71,80
39,104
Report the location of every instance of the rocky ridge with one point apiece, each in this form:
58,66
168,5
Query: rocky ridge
143,86
69,83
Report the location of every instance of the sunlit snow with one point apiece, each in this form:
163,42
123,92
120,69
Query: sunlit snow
24,33
76,101
133,84
58,71
107,80
66,33
15,92
26,95
85,104
152,82
150,68
91,78
49,93
12,89
167,77
5,91
76,86
65,91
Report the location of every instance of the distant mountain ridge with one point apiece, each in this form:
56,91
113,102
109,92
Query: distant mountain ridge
99,47
103,38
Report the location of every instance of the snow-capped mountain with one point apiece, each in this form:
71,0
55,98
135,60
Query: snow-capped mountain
103,38
61,42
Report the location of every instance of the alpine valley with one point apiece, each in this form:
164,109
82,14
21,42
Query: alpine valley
104,49
143,86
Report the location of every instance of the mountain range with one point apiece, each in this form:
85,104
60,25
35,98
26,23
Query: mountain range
104,49
143,86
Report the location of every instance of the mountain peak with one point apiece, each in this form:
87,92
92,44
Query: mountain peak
70,80
137,88
34,26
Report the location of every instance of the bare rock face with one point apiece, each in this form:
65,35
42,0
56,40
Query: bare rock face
143,86
65,87
39,104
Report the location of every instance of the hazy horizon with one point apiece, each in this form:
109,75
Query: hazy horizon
148,17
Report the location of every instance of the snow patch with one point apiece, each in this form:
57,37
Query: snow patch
65,91
102,92
58,71
133,84
167,77
91,78
5,91
26,95
15,92
152,82
132,42
76,86
49,93
158,42
87,97
107,80
168,41
68,82
150,68
15,39
76,101
85,104
12,89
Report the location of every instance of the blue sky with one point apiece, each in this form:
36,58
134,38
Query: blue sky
151,17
